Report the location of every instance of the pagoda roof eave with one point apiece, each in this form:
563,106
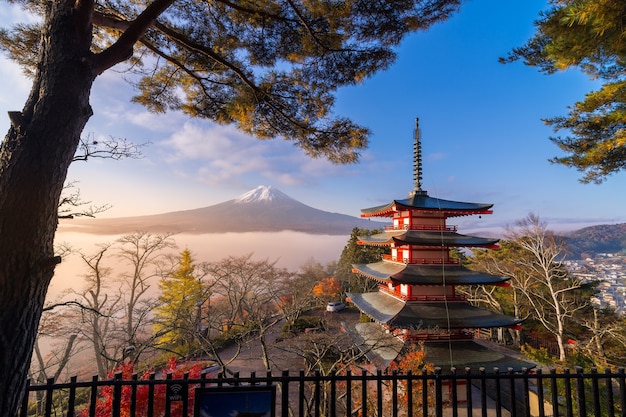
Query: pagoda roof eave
426,238
381,348
393,312
437,238
426,203
471,354
417,274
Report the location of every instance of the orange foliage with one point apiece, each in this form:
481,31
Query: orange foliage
327,288
412,360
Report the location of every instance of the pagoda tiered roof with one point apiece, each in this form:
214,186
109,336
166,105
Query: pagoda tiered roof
430,274
396,313
381,348
420,201
427,238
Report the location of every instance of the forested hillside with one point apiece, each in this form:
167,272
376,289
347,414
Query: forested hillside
607,238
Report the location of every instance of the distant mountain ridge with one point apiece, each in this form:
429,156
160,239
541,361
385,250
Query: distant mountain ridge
605,238
263,209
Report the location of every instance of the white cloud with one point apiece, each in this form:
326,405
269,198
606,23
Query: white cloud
215,154
15,87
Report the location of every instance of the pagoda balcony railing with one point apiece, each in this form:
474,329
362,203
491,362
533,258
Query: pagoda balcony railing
405,297
422,227
415,337
420,261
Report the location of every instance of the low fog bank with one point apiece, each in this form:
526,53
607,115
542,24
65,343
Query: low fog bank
290,249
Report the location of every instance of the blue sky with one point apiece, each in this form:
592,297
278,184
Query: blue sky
482,136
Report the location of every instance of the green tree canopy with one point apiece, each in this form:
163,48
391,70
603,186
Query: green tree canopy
353,253
270,67
589,35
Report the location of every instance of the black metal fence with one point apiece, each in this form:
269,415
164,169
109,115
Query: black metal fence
574,393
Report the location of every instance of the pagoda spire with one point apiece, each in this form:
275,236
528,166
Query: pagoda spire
417,162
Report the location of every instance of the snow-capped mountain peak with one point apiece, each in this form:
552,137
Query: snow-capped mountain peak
262,193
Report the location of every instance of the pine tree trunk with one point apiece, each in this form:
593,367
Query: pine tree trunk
34,159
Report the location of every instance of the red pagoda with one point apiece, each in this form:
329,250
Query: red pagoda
417,300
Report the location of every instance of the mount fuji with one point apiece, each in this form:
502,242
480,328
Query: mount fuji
263,209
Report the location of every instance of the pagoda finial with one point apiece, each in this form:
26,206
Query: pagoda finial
417,160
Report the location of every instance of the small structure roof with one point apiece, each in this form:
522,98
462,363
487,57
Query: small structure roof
418,274
381,348
421,201
427,238
396,313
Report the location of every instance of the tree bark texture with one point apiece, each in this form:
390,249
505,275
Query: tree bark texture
34,159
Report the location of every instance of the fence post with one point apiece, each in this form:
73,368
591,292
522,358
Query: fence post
569,409
483,391
333,393
409,393
133,396
622,388
317,394
48,407
580,392
496,373
151,394
526,391
453,388
555,392
468,392
168,401
425,387
301,395
596,391
363,393
394,393
185,383
540,393
609,392
348,392
94,395
379,392
117,395
72,398
285,394
438,393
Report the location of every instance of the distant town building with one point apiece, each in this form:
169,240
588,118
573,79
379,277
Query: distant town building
610,270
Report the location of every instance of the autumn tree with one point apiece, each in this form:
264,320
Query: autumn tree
588,35
412,360
177,318
99,320
554,296
297,296
244,304
113,310
270,68
508,300
142,255
57,330
327,289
